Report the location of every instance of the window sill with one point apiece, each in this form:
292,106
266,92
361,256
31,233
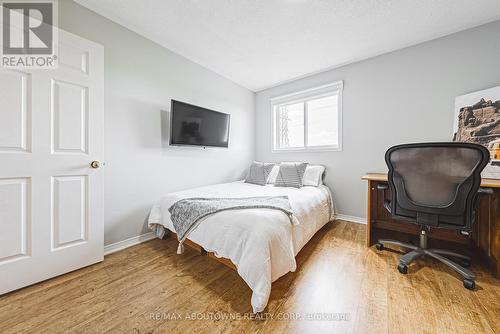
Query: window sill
307,150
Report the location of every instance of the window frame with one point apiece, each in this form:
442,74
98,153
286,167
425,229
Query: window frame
335,88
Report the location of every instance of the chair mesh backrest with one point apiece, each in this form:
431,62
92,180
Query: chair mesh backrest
431,176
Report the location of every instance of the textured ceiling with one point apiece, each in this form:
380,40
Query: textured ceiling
261,43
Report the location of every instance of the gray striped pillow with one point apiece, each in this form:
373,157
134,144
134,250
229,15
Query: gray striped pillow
290,174
259,172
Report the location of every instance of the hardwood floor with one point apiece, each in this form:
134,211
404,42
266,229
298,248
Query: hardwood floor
138,289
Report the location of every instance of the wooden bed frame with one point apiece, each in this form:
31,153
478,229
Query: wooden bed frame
202,251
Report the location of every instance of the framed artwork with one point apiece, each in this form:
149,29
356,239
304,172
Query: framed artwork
477,120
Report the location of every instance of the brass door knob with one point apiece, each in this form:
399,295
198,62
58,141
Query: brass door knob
95,164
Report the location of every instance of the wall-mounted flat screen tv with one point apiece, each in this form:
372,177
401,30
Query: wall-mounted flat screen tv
191,125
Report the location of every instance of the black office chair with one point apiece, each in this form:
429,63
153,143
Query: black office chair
435,185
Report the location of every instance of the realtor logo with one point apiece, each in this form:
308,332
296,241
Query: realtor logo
29,34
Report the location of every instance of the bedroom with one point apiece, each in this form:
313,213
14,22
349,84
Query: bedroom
76,250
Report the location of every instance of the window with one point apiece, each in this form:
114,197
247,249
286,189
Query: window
308,120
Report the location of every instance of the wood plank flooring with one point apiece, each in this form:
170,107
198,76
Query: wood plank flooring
344,286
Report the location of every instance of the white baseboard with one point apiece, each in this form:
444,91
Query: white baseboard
120,245
354,219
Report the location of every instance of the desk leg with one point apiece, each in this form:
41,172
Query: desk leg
368,216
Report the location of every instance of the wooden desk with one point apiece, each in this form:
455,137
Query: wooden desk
484,242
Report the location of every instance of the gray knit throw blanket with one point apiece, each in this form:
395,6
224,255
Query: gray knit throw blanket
188,213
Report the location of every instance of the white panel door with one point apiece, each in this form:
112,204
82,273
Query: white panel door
51,198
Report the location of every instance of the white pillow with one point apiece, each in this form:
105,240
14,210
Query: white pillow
313,176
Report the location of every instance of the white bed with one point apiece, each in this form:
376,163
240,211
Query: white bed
262,243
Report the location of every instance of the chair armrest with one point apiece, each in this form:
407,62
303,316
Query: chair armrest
387,204
482,192
485,191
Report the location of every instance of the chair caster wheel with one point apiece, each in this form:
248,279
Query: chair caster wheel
403,269
379,246
469,284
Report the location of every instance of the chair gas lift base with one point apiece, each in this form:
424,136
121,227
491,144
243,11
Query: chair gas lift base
435,185
438,254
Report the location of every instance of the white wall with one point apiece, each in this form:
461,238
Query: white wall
403,96
140,79
400,97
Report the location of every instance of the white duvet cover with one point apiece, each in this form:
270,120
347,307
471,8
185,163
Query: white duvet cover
262,243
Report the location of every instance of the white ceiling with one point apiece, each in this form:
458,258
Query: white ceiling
260,43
